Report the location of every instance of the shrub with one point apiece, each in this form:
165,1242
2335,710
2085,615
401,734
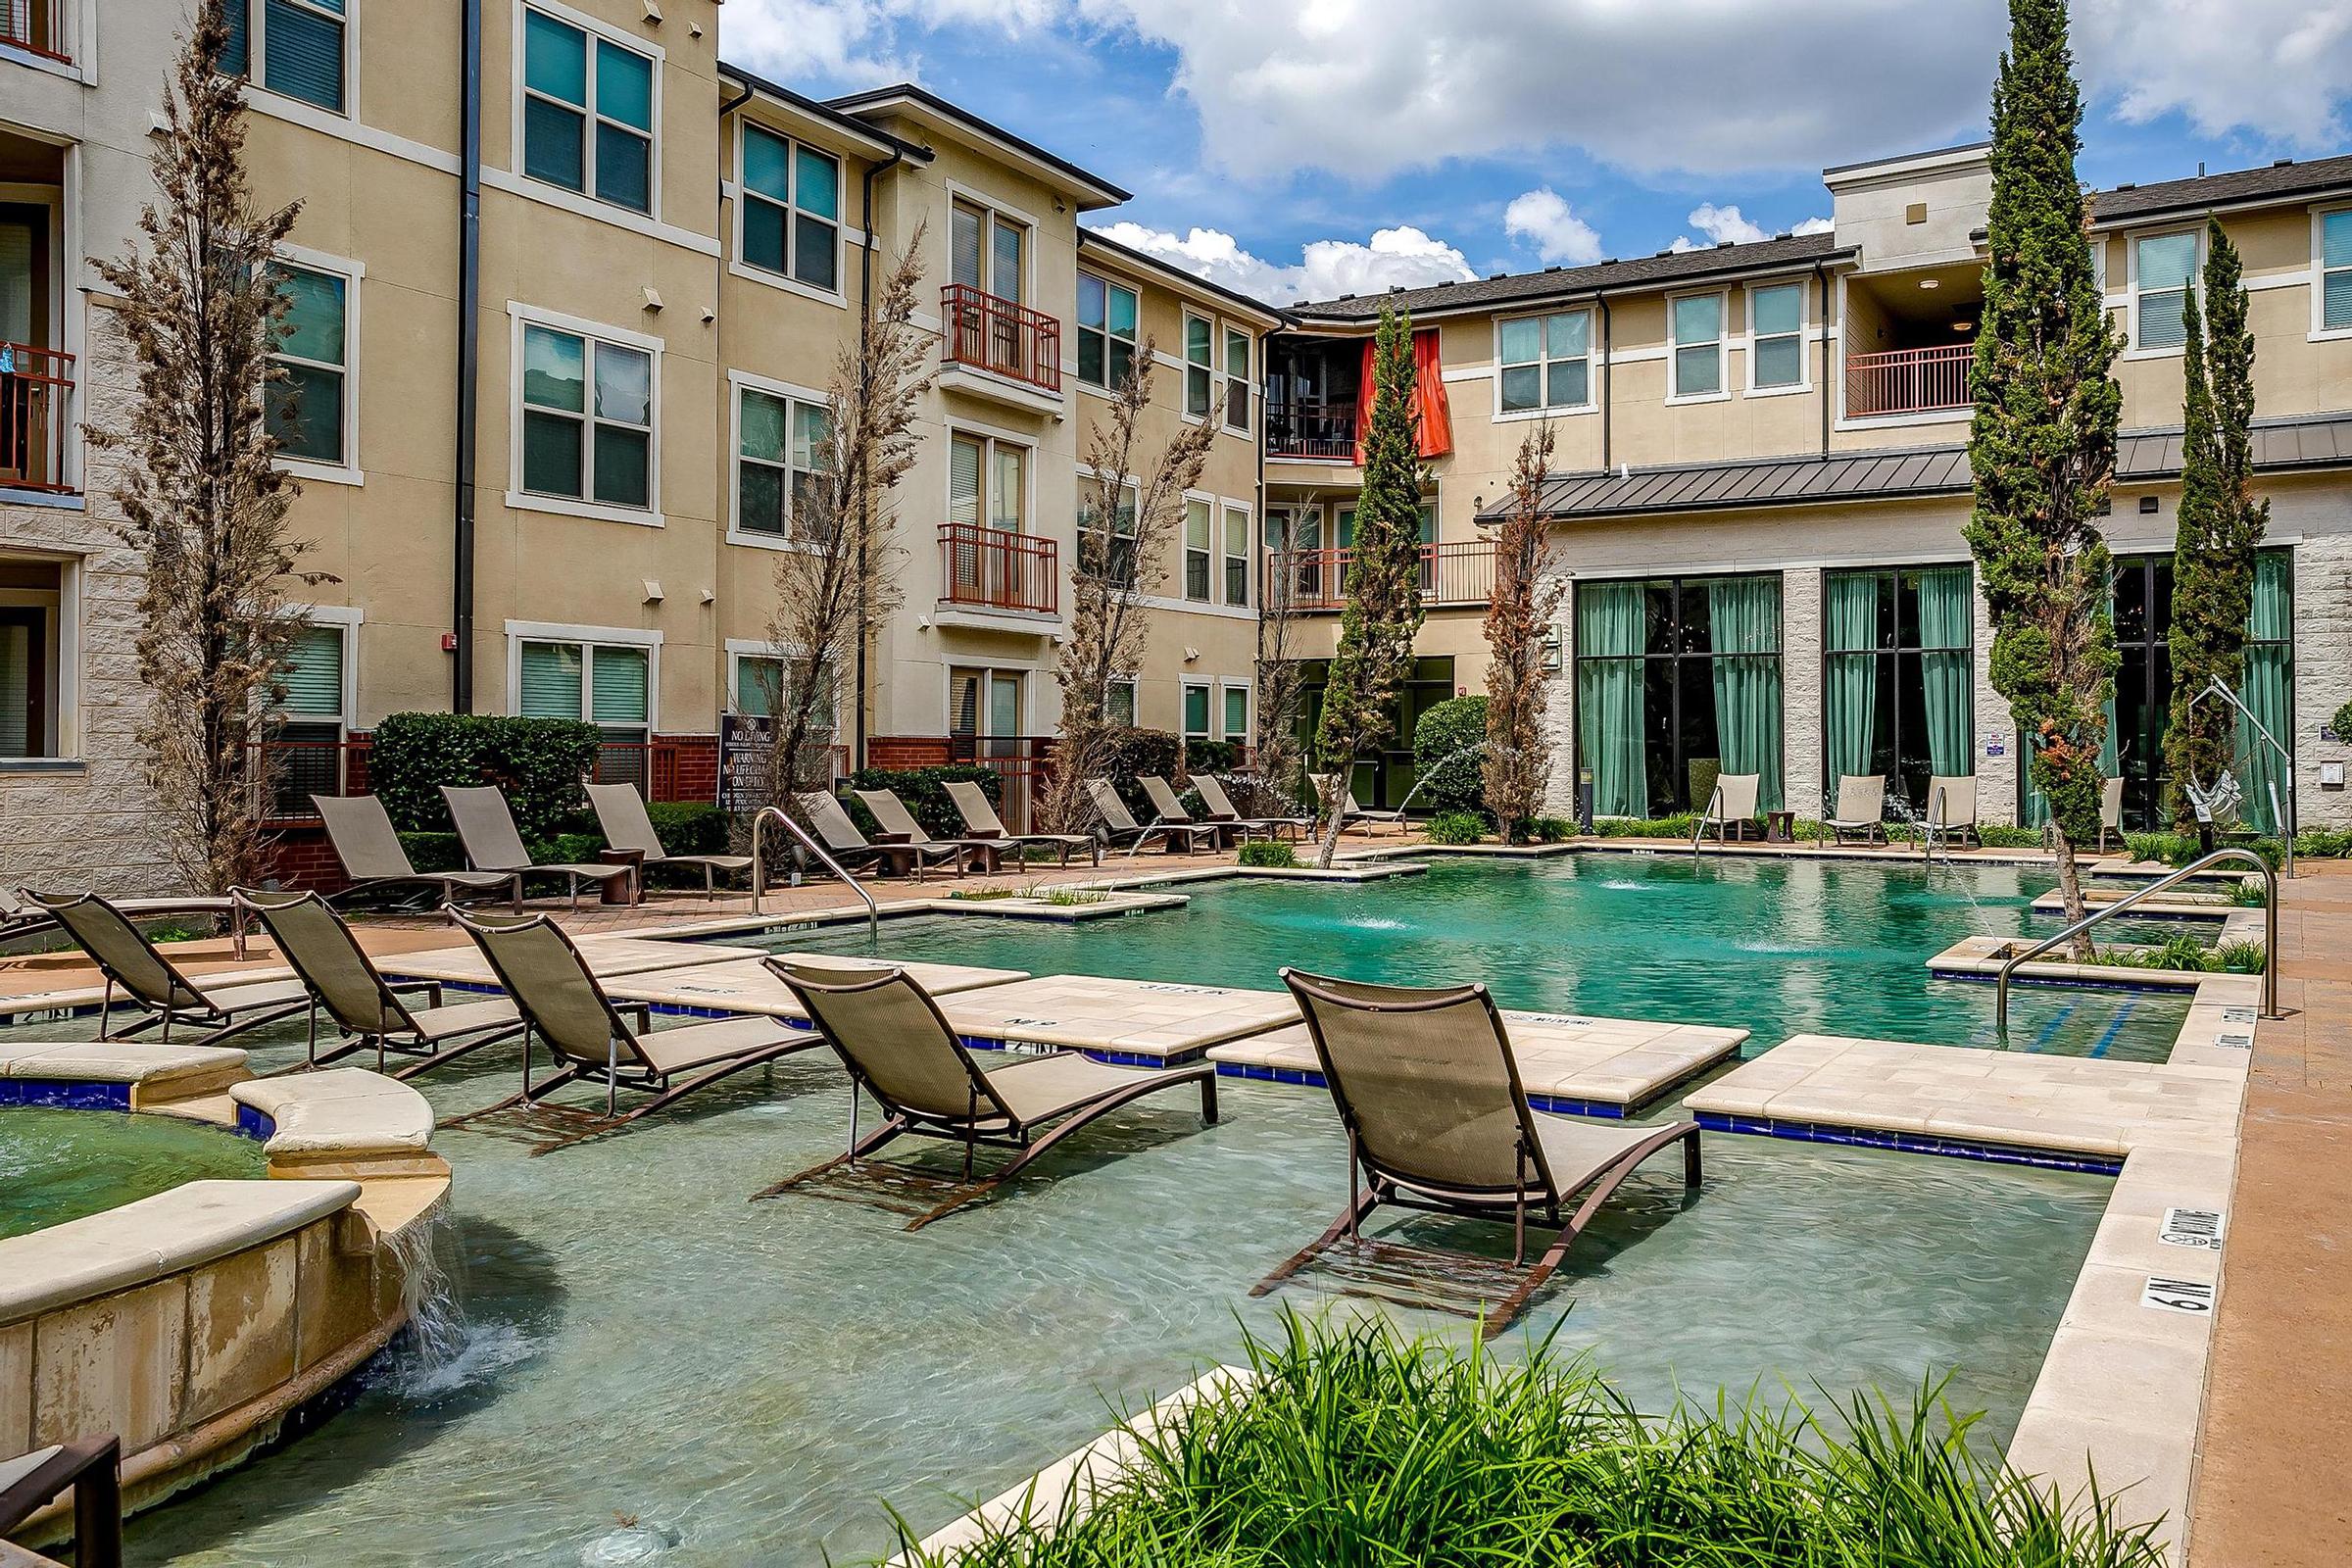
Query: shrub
435,852
690,827
1269,852
1446,770
1128,751
1551,830
2240,958
2324,842
1456,827
537,762
1677,826
924,792
1211,757
2341,724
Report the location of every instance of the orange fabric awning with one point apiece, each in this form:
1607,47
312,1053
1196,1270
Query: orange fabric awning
1433,418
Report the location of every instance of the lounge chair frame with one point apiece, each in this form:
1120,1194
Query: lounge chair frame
1731,807
128,960
1871,825
1351,813
1936,824
485,825
986,1121
981,822
620,811
1126,832
852,848
892,816
361,833
1217,806
1169,805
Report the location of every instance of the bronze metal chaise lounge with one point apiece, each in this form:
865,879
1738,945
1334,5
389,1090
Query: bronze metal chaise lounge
1437,1120
980,822
129,962
894,819
361,831
365,1007
485,825
854,848
1124,830
1217,806
564,1008
901,1049
620,811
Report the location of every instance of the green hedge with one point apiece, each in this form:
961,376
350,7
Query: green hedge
537,762
1269,852
1457,827
1134,750
1211,756
1445,729
685,827
924,793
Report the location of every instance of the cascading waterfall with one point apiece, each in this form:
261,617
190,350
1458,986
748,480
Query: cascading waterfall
442,1349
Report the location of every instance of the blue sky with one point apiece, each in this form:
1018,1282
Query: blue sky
1336,145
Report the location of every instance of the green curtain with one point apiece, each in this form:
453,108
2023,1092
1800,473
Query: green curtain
1609,624
1947,627
2266,688
1850,605
1744,614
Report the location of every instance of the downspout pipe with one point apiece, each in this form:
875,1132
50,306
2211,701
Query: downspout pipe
1609,376
470,357
865,326
1822,277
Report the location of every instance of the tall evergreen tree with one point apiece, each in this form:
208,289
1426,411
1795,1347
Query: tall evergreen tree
2042,440
2220,525
1383,613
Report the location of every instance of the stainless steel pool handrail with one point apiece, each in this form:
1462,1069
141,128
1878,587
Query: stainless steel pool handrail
2269,929
767,814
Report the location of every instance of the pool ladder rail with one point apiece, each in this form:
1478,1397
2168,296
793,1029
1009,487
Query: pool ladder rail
776,813
2269,929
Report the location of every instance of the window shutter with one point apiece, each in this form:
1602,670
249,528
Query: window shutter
551,680
303,52
312,673
963,481
619,675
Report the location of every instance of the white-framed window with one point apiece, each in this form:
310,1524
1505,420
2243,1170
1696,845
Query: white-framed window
1236,555
789,215
988,250
586,417
588,111
38,658
779,453
2331,304
1195,710
1234,721
315,712
298,48
1119,562
1694,323
1200,370
1199,519
760,685
1237,380
1775,341
1544,362
988,483
1108,313
311,407
1121,705
607,676
2164,269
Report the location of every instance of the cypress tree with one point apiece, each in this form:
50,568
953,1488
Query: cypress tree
2041,443
1382,615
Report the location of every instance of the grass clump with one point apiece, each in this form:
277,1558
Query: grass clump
984,893
1456,827
1269,853
2183,951
1073,898
1356,1446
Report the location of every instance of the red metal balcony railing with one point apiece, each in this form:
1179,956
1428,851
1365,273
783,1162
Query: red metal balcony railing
998,336
1457,573
36,400
1022,764
1312,427
30,25
998,569
1908,380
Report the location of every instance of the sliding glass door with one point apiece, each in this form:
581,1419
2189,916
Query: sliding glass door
1897,676
1678,680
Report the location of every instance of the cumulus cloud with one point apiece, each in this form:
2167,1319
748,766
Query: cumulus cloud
1395,257
1544,219
1724,226
2279,67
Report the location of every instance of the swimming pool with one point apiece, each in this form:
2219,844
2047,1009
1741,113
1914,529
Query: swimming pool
1776,946
60,1166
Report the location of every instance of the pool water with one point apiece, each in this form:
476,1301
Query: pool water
1778,947
60,1166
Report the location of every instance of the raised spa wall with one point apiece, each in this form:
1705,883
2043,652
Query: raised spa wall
192,1323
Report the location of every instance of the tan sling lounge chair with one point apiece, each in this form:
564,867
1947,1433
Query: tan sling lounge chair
2111,811
852,848
361,833
980,822
364,1007
1437,1120
1168,807
1125,830
1951,816
1217,806
903,1050
1861,808
486,827
564,1008
20,917
1732,806
620,811
892,817
129,962
1350,813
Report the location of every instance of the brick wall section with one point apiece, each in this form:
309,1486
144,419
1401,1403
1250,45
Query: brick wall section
907,750
304,859
692,773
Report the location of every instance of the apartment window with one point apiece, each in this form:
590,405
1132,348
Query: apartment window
1237,380
1546,362
1698,322
2335,272
1776,353
1196,523
1237,715
306,405
607,684
312,718
779,452
984,703
300,43
791,210
987,250
761,685
587,418
1195,710
31,604
2164,270
1106,332
587,114
1116,553
1200,379
988,484
1121,707
1237,555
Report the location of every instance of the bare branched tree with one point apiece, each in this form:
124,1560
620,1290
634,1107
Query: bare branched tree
1131,505
842,574
200,498
1272,778
1527,593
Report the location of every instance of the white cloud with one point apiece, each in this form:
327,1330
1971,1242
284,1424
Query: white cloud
1812,225
1395,257
2279,67
1726,225
1544,219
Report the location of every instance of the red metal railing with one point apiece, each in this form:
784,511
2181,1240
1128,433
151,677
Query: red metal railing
1457,573
30,25
1312,427
1908,380
36,397
1012,340
1021,764
998,568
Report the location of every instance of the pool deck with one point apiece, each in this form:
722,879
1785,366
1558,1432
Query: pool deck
1145,1023
745,986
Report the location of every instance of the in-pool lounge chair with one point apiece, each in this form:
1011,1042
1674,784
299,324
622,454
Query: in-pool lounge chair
903,1050
980,822
1125,830
486,827
892,818
366,1008
1861,808
361,833
21,917
852,848
1951,816
1217,806
564,1009
1429,1091
620,811
128,961
1350,813
1732,806
1168,807
2111,811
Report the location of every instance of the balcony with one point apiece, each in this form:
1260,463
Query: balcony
1322,430
1931,381
1006,341
996,572
1316,580
32,25
36,397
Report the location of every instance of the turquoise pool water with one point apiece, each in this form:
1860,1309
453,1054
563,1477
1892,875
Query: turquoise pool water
58,1165
1778,947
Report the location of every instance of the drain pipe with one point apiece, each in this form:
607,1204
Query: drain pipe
1822,279
865,327
470,355
1608,375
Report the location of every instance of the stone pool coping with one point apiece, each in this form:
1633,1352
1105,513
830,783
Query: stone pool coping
746,988
1981,957
105,1076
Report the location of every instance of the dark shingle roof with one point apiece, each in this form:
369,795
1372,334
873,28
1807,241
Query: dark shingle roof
860,104
2274,182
